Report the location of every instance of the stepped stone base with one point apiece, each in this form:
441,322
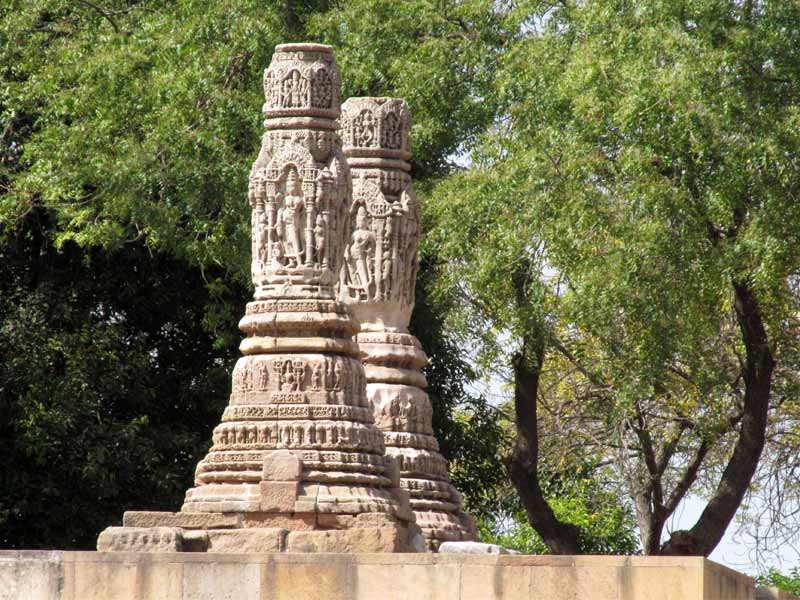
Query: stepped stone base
187,576
245,533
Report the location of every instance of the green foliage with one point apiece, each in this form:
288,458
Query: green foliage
109,386
598,134
787,582
607,526
469,430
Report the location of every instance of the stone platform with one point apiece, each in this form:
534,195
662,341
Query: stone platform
56,575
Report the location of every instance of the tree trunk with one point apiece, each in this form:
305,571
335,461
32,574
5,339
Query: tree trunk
650,524
708,531
559,537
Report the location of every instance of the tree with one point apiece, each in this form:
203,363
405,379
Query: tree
629,228
109,386
787,582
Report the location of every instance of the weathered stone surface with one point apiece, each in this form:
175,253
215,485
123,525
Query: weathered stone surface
298,414
294,521
244,541
377,279
192,576
140,539
278,496
473,548
182,520
361,539
282,465
299,353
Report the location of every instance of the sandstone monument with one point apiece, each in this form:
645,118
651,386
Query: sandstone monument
297,463
377,279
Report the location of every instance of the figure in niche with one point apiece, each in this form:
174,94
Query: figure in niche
316,376
386,271
359,255
289,383
299,367
294,90
263,375
364,130
321,90
392,137
277,255
337,376
290,218
319,240
261,236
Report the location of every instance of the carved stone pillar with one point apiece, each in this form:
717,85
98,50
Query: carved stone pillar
297,462
377,279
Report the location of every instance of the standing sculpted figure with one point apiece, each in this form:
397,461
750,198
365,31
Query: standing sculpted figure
292,214
360,254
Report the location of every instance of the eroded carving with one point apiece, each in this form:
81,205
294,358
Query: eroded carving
377,279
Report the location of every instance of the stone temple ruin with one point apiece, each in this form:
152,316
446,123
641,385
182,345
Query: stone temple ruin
326,444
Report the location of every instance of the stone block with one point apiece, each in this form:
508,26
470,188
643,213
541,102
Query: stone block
278,496
181,519
473,548
334,521
661,581
571,581
100,580
290,521
282,465
31,578
217,581
414,581
365,539
246,541
160,581
479,582
140,539
283,580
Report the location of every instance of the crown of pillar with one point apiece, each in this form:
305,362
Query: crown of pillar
302,81
375,132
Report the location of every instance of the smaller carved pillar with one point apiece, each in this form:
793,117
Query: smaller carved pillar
377,279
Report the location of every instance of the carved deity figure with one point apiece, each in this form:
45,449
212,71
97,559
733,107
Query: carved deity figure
291,219
359,254
364,126
316,376
294,90
319,240
263,375
392,133
322,91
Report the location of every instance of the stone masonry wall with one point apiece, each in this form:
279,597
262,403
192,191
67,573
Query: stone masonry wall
35,575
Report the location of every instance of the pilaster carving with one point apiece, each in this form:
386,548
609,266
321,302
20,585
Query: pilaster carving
377,279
